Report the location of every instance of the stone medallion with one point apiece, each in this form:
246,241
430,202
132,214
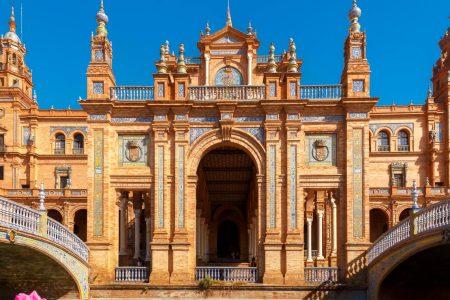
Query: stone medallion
133,152
320,150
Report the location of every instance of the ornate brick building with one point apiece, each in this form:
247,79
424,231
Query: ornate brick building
228,160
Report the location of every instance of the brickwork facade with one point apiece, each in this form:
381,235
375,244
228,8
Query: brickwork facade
227,146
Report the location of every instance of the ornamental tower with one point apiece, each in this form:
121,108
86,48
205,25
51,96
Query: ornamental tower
14,73
355,77
100,76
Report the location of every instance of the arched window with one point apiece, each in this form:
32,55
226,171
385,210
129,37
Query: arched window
78,144
14,59
403,141
60,144
229,76
383,141
55,215
404,214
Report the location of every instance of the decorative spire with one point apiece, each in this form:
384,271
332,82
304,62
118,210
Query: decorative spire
181,67
430,92
250,29
102,20
167,47
292,66
208,29
229,22
35,96
415,197
354,15
12,21
271,64
162,66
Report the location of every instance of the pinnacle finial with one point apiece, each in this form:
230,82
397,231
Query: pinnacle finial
12,21
162,66
293,65
102,20
250,29
229,21
354,15
208,29
181,66
271,64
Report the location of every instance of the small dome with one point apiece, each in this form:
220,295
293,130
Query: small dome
355,12
12,36
102,17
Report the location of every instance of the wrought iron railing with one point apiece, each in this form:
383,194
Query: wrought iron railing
314,92
434,217
240,92
22,218
233,274
132,274
321,274
59,151
78,151
383,148
403,148
132,93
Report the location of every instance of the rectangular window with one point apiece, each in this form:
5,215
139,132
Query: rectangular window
272,89
399,180
293,89
2,143
2,168
439,184
2,81
181,90
64,181
25,136
98,88
358,85
161,91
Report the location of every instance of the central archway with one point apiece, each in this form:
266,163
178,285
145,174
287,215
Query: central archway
226,207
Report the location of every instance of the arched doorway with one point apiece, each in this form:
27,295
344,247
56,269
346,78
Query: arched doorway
228,248
421,276
226,207
404,214
80,224
378,223
55,215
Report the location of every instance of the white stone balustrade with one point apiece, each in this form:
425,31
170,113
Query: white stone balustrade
25,219
229,274
434,217
312,92
241,92
132,274
132,93
321,274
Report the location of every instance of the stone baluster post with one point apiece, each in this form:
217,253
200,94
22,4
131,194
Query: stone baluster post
309,237
334,220
319,234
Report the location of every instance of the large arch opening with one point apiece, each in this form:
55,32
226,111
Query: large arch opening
421,276
80,224
55,215
24,269
226,208
378,223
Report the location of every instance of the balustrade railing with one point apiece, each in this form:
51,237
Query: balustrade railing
78,151
384,148
231,274
132,93
18,217
61,235
132,274
241,92
434,217
321,274
22,218
193,60
321,91
379,191
403,148
261,59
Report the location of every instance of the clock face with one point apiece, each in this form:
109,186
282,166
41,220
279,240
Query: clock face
356,52
98,55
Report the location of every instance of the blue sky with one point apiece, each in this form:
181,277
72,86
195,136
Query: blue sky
402,39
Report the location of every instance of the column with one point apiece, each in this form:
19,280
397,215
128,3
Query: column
309,230
334,220
319,239
137,232
207,58
249,68
148,229
123,223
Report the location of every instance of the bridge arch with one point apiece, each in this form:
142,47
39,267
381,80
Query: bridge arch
22,227
423,231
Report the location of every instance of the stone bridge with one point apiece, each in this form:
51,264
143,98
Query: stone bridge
38,253
411,260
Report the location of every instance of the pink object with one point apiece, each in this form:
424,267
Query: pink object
33,296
